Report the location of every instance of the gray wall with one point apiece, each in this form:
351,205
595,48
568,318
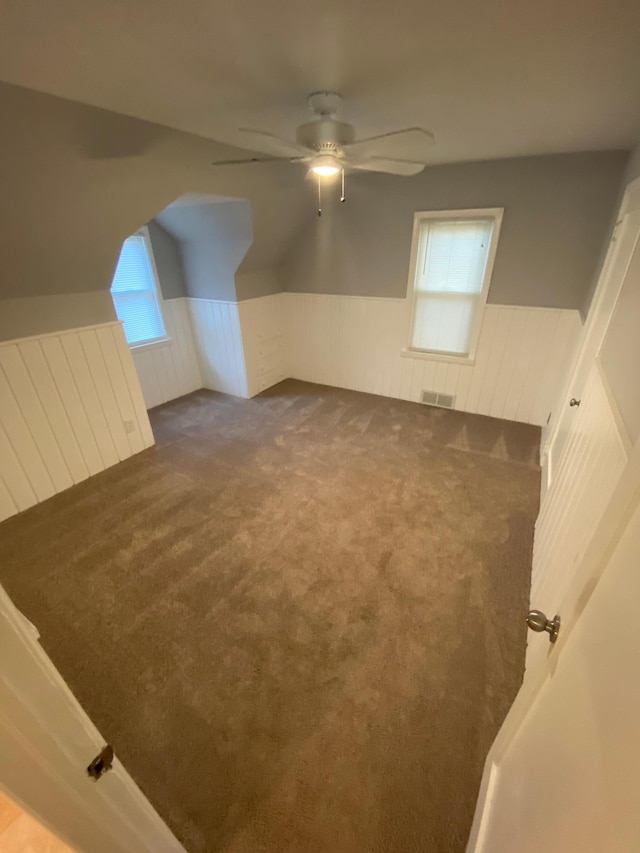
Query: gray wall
76,181
36,315
250,285
166,253
214,237
557,212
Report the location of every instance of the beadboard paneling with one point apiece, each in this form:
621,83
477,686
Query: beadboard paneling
355,342
592,462
264,334
169,369
218,341
70,406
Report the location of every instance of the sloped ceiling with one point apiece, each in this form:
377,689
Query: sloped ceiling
492,79
68,203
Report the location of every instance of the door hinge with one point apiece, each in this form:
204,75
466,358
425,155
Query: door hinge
101,763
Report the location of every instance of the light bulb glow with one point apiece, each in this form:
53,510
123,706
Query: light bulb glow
326,171
326,166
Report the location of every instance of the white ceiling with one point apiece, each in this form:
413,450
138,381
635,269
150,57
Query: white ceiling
491,79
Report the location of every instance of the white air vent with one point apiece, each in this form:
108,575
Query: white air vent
433,398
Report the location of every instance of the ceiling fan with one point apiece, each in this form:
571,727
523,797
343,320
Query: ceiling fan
329,146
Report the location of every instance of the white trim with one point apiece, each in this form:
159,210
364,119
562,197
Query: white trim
622,433
631,200
533,308
157,290
546,472
486,799
421,216
152,342
258,298
144,231
428,355
354,296
370,298
217,301
603,302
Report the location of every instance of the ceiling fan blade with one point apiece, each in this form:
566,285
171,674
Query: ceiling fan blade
269,143
412,143
244,161
390,166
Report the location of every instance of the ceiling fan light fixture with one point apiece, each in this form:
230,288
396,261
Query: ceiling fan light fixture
326,166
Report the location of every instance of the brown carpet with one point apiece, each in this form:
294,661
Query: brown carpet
300,619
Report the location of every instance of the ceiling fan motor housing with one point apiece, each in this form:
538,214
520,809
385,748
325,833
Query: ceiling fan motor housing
327,134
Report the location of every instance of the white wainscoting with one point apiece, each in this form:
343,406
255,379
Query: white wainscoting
70,406
592,462
264,333
169,369
355,342
218,340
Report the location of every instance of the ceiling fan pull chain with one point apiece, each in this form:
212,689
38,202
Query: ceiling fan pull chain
319,196
342,197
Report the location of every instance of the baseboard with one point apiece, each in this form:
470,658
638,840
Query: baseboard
486,796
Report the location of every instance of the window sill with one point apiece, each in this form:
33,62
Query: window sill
157,342
463,360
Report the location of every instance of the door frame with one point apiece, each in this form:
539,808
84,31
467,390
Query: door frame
610,527
46,742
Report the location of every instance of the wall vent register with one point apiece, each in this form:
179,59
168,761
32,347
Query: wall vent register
433,398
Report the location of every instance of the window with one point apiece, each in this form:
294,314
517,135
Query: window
134,290
452,258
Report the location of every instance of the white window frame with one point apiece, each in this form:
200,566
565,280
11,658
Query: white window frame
162,339
421,216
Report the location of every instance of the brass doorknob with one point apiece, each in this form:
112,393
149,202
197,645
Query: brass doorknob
573,402
537,621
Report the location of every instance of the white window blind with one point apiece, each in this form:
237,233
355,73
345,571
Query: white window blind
134,292
450,274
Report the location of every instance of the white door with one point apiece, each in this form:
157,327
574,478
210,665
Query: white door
563,773
590,447
46,744
569,779
623,246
